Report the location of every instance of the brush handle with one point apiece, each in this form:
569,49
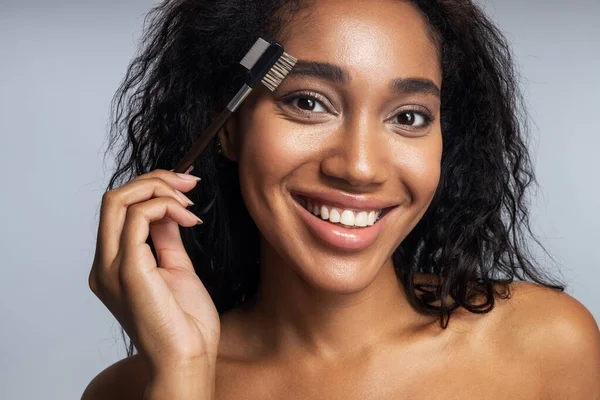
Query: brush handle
210,132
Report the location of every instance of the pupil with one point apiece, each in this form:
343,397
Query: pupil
310,104
407,117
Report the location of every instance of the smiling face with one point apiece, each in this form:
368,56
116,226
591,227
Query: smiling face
352,133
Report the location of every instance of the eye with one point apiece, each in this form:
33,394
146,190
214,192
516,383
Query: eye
306,103
414,118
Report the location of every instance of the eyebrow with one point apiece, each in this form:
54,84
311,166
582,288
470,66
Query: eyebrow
336,74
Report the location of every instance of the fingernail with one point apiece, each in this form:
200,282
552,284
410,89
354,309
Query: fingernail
188,177
189,169
198,220
184,197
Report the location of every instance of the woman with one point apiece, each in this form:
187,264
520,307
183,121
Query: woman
404,111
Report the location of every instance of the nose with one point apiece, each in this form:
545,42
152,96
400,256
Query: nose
357,153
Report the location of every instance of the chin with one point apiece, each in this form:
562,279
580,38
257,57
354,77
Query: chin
342,275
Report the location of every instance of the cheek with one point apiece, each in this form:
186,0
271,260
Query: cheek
269,153
266,151
271,147
419,166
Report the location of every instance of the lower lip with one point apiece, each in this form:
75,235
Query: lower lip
336,235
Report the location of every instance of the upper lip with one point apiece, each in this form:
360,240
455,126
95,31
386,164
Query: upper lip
346,201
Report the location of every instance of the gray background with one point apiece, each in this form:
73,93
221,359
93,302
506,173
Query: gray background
60,63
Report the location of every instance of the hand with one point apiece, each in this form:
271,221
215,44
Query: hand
163,306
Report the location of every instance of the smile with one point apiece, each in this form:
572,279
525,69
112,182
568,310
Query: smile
348,229
346,217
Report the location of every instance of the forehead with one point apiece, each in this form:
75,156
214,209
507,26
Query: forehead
375,41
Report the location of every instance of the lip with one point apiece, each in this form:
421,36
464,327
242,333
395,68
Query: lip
346,201
347,239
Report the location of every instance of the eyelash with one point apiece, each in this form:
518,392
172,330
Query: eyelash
424,113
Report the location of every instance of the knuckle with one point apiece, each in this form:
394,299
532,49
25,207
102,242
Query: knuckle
171,205
158,183
141,210
163,173
105,283
101,280
136,211
108,196
153,180
162,183
92,283
95,285
171,202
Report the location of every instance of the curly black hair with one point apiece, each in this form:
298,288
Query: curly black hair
473,235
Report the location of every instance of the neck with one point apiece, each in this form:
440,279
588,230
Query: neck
291,316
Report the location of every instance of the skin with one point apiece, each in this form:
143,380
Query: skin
315,299
334,324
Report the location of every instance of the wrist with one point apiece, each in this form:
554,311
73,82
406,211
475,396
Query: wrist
170,363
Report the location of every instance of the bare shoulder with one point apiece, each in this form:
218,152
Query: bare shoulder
558,335
125,379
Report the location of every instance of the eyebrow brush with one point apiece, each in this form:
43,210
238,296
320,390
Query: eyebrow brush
266,63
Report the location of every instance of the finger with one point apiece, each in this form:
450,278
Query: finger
183,182
141,284
170,251
137,228
114,209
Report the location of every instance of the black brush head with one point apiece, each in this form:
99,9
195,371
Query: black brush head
264,64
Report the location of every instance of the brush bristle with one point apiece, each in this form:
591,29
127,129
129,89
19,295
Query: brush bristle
254,53
279,71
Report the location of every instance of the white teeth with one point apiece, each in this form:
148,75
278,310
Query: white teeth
371,218
361,219
334,216
324,213
347,218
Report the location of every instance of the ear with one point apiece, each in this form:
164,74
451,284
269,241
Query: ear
228,137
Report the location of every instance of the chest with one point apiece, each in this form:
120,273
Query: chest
419,380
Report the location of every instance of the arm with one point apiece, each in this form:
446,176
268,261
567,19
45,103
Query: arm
571,356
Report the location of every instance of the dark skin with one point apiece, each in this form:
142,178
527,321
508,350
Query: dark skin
337,325
326,302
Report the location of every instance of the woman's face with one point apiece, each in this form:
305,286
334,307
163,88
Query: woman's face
353,131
